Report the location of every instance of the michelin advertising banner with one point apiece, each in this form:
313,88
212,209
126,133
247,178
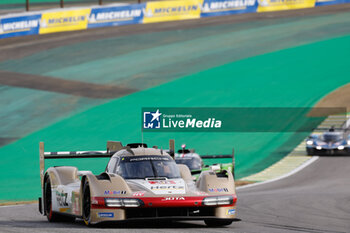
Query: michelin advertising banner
228,7
172,10
161,11
60,21
19,26
280,5
114,16
330,2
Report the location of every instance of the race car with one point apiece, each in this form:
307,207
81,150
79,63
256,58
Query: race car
333,141
139,183
196,165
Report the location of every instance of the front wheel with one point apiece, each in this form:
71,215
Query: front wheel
86,203
52,216
218,222
310,151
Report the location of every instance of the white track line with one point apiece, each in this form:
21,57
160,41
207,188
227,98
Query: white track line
304,165
14,205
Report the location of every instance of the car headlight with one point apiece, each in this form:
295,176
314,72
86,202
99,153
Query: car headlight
340,147
219,200
123,202
348,142
319,147
309,142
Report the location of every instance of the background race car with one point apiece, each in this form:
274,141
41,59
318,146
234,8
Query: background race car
332,141
196,164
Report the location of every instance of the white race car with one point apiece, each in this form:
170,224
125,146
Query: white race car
138,183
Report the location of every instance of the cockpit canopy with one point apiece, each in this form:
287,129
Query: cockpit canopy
193,163
331,137
145,166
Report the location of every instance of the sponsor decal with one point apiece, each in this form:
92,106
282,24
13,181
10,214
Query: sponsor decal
173,199
113,16
139,194
106,215
61,198
147,158
76,207
63,210
64,21
166,187
114,192
277,5
201,193
218,190
19,26
227,7
162,182
231,212
172,10
158,120
176,186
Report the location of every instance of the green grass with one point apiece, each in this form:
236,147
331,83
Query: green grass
146,60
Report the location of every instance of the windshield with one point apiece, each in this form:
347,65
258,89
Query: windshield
192,163
141,167
331,137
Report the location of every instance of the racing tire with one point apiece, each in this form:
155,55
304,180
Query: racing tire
51,215
348,151
218,222
87,203
310,151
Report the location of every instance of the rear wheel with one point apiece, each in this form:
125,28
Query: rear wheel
86,203
52,216
218,222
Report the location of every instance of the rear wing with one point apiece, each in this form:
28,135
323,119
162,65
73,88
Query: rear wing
112,147
231,156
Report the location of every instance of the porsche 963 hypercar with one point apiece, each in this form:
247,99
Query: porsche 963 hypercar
196,165
138,183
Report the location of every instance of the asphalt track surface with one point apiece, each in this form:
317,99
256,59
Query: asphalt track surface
316,200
